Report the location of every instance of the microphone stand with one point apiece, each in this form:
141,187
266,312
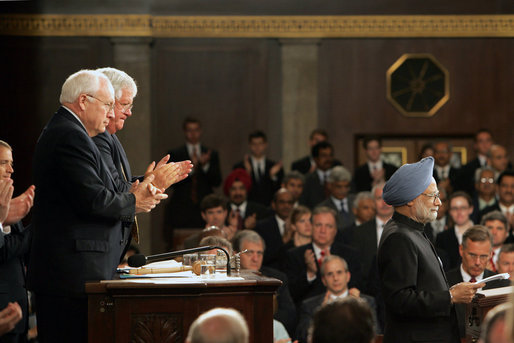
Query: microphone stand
140,260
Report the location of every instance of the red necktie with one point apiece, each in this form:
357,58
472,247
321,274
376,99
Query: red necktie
239,219
322,256
493,267
472,279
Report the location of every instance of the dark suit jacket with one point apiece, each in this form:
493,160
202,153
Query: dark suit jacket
261,211
183,211
13,250
78,212
467,176
342,222
448,242
263,190
115,158
309,307
313,191
296,270
275,250
286,310
454,277
495,207
454,177
363,180
477,214
414,286
365,242
303,165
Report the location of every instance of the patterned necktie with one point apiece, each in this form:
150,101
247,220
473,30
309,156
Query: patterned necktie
491,262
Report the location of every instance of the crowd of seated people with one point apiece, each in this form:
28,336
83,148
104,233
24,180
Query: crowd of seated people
292,224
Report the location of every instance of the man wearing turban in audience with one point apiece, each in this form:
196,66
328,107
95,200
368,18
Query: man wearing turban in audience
419,304
237,186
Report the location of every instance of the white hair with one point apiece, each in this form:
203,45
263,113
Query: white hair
119,80
82,82
219,325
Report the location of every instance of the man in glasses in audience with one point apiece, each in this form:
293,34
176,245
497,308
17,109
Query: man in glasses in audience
476,251
418,302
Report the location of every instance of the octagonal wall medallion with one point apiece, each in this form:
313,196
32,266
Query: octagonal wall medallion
418,85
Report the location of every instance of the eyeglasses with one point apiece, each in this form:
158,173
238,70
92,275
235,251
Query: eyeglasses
433,195
108,106
487,180
474,257
125,107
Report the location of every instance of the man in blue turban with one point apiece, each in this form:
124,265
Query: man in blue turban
419,304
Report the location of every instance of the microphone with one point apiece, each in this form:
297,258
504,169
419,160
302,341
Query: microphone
139,260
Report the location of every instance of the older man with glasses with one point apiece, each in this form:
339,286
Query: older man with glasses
419,304
79,212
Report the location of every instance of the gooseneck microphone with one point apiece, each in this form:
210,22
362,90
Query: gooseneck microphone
139,260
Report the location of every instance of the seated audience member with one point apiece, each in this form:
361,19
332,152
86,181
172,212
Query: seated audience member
475,251
340,200
440,224
219,325
252,260
219,242
482,142
374,170
496,223
314,189
505,202
449,240
10,315
498,159
335,277
485,192
306,165
302,264
495,328
237,185
273,229
506,260
426,150
364,210
445,174
266,174
214,212
301,226
293,182
184,205
347,320
14,246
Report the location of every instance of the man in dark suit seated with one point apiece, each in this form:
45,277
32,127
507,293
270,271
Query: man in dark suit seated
335,276
266,174
183,210
340,200
505,202
14,245
506,260
485,192
302,264
374,170
236,187
252,260
314,189
306,164
81,219
497,225
475,250
274,229
482,142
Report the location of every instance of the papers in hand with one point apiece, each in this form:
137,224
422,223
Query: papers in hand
502,276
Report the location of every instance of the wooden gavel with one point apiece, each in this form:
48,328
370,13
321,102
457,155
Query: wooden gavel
196,268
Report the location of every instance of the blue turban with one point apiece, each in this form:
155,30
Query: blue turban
408,182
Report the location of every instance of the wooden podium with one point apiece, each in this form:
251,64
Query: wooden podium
161,310
481,304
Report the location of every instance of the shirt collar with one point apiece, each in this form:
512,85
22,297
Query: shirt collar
466,277
242,207
334,297
281,225
317,250
407,221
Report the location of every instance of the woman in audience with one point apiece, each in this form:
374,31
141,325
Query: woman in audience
300,226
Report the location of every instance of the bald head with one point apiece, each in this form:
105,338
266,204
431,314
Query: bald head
219,325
